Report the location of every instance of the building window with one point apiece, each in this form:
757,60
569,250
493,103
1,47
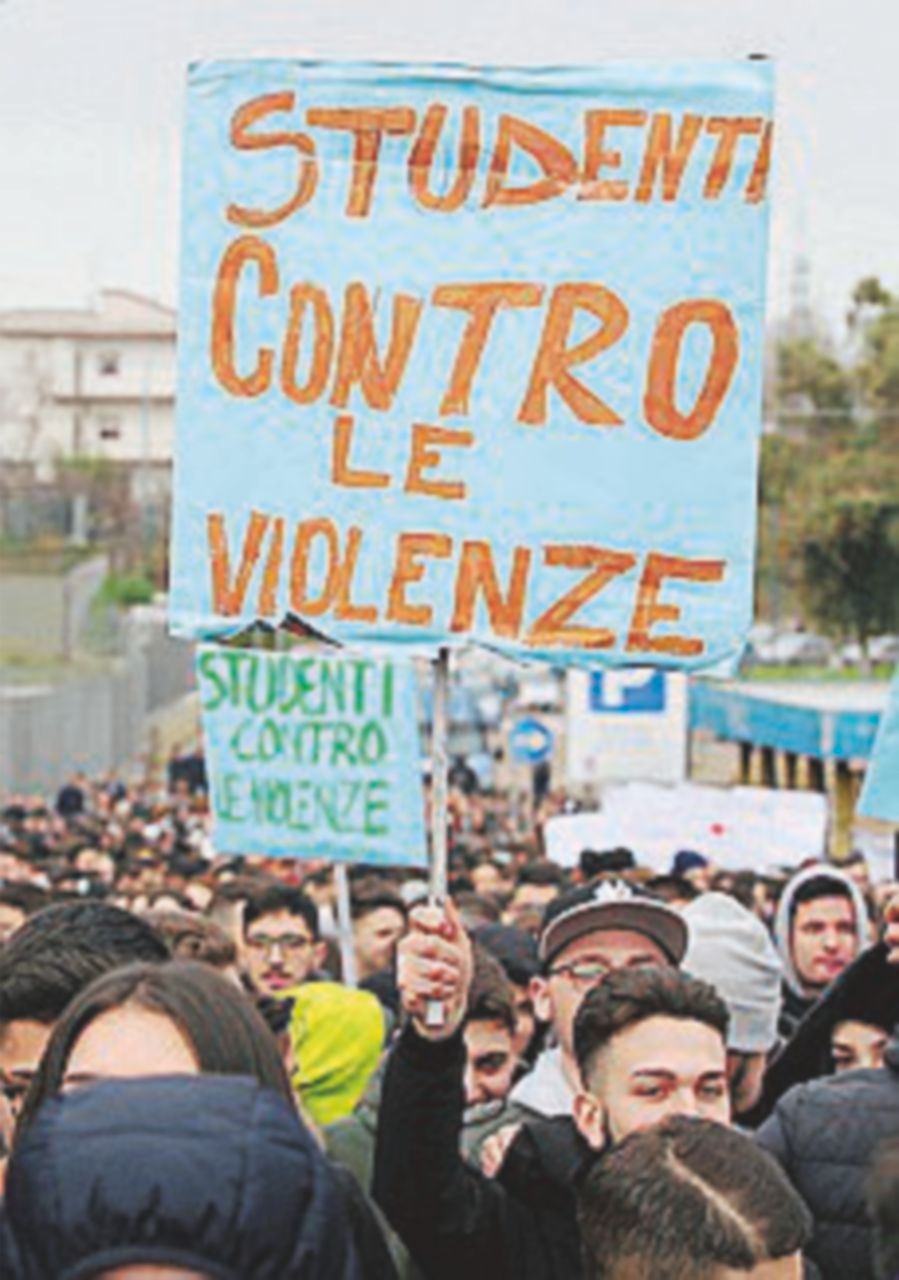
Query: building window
108,363
110,428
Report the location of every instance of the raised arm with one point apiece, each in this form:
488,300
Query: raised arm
449,1215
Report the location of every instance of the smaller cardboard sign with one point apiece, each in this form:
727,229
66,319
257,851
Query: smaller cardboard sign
312,756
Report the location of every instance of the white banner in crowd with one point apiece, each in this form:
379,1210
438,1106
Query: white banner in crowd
737,828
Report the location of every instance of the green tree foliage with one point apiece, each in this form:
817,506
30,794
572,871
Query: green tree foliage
849,550
124,591
829,482
875,315
781,472
812,376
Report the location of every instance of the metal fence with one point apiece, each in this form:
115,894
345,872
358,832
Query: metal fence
91,722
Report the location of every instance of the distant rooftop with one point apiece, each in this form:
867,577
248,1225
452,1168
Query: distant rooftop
117,313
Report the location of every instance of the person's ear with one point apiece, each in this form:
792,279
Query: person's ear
590,1118
538,990
319,955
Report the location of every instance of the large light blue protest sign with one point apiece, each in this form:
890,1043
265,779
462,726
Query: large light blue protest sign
312,756
473,355
880,793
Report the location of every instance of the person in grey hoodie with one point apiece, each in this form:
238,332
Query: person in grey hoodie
820,927
730,948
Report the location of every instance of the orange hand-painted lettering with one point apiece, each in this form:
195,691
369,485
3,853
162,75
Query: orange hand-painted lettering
307,176
482,301
244,251
555,358
648,610
659,404
368,125
553,628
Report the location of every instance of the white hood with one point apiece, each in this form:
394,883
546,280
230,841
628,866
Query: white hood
545,1089
781,929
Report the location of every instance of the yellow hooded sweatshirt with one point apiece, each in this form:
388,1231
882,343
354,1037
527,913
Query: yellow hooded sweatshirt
338,1036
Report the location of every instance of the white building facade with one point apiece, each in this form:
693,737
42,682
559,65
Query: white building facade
94,383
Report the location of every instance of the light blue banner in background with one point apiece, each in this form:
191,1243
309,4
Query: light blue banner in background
828,733
473,355
312,756
880,793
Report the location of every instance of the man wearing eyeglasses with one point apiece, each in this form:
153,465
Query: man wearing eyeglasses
282,948
587,934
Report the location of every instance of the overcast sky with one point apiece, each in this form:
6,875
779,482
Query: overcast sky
91,94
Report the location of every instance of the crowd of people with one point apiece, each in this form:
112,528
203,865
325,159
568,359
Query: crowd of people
208,1073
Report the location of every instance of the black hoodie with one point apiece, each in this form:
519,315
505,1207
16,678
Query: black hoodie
457,1223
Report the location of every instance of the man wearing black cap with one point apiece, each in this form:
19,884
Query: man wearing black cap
648,1042
587,934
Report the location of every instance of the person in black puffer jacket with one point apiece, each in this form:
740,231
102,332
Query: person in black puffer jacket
209,1175
866,993
825,1135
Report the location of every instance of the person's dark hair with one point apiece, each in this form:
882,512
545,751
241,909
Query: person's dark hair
282,897
476,909
27,897
361,871
593,862
822,886
490,997
320,878
672,888
193,937
238,890
185,863
542,873
629,996
742,888
683,1198
59,951
460,882
883,1205
134,843
515,950
218,1021
373,894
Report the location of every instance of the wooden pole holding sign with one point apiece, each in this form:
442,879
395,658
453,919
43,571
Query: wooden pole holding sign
345,926
439,868
439,877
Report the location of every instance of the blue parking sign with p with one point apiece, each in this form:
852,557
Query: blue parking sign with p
630,690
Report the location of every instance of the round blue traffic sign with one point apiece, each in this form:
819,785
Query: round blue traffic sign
530,742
